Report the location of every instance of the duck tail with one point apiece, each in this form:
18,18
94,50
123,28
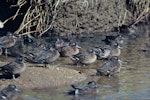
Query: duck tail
1,46
1,69
75,59
73,86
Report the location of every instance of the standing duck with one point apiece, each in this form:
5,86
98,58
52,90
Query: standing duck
70,50
85,58
47,56
36,51
8,41
115,49
14,68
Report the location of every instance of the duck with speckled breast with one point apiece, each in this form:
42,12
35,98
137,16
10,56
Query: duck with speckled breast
110,68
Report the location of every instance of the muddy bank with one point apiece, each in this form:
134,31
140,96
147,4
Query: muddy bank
38,77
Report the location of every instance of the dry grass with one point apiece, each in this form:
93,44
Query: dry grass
139,9
44,16
40,16
37,18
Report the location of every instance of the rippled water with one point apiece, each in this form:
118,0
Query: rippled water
132,83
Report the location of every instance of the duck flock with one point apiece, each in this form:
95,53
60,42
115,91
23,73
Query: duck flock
62,47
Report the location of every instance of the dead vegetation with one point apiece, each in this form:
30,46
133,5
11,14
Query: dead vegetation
79,16
139,10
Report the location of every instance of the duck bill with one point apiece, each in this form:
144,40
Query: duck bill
96,53
120,47
97,86
77,46
1,46
120,60
17,90
15,36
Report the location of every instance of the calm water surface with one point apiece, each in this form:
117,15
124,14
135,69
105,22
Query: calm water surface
132,83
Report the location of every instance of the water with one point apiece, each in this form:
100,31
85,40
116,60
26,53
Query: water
132,83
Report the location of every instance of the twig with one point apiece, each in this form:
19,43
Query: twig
11,18
49,25
124,17
27,24
20,3
28,32
17,31
141,16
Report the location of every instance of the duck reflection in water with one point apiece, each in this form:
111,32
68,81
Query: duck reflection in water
111,83
85,97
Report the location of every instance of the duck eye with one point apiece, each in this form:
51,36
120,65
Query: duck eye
116,58
120,36
102,50
92,83
73,44
91,50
